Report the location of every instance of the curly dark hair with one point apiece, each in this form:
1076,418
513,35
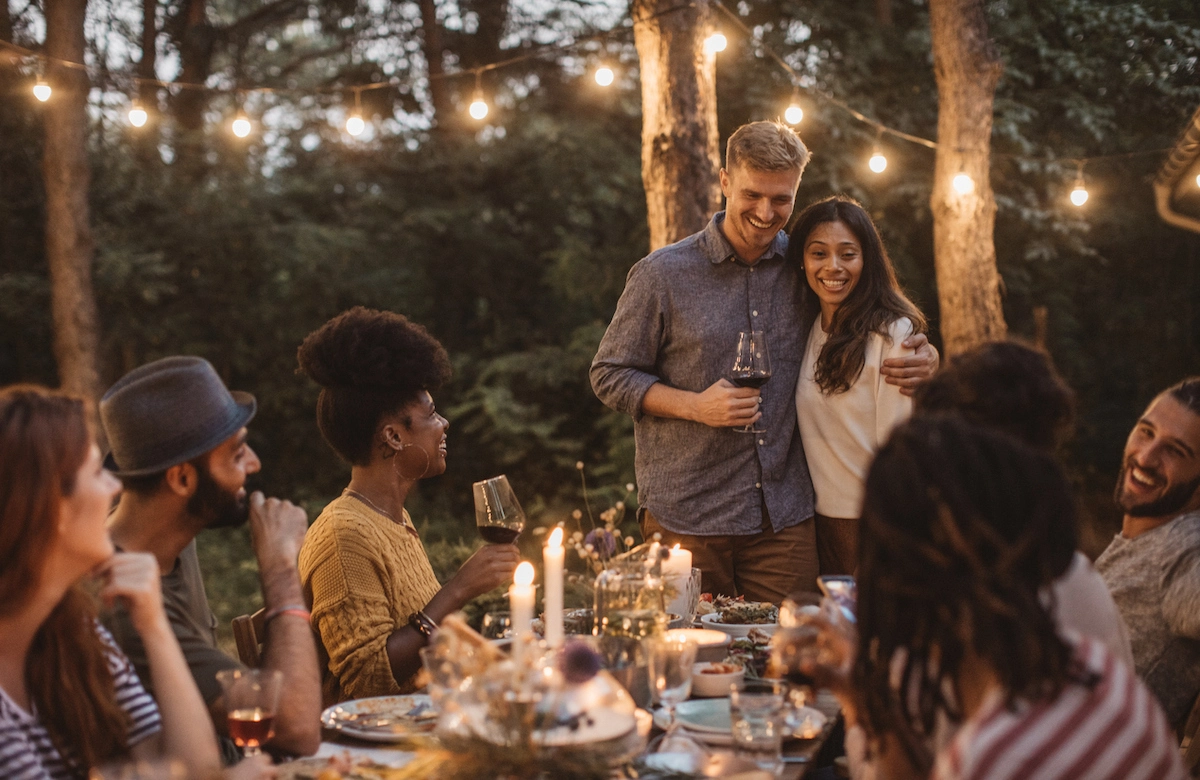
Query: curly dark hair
369,364
1007,386
963,528
872,306
1187,392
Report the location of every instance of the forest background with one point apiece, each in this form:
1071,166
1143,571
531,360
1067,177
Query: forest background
510,239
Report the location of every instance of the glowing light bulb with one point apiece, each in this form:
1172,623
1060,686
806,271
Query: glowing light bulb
1079,195
524,574
715,43
241,126
963,184
355,124
479,108
1198,180
41,91
793,115
604,76
877,163
138,115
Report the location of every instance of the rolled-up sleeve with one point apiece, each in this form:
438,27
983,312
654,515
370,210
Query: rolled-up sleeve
625,365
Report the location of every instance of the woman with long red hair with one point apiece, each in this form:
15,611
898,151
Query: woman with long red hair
69,699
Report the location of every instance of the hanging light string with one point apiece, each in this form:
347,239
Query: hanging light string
794,114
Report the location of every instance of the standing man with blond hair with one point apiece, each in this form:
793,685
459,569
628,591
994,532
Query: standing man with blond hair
741,502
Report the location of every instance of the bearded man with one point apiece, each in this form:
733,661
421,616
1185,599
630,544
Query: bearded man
178,439
1152,567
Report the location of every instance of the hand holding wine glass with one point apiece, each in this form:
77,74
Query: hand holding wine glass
498,514
251,699
752,366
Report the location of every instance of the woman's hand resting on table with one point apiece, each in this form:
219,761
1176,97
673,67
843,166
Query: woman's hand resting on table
490,567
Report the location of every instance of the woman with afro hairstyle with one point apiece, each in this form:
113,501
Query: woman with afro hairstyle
844,408
374,596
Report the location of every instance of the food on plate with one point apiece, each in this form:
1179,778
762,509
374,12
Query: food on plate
748,613
342,766
721,668
752,652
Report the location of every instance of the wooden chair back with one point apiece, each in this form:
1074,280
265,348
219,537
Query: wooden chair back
249,631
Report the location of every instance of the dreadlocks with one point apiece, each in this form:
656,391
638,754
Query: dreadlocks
962,530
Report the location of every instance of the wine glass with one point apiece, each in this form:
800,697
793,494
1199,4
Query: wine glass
496,625
498,514
796,646
752,366
251,698
671,663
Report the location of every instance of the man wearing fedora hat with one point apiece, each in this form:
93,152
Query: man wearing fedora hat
178,439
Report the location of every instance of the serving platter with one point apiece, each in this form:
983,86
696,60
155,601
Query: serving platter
382,718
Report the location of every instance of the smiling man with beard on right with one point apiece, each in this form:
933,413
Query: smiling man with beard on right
1152,567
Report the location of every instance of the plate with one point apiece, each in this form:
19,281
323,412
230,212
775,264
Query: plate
382,718
600,725
711,620
710,645
710,715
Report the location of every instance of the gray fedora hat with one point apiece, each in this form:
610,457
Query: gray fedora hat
167,412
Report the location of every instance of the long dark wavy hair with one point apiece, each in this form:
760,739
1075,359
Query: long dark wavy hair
872,306
963,528
44,441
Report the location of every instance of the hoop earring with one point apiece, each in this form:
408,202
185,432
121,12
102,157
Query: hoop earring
396,463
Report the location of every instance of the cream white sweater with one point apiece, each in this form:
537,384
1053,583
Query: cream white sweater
841,432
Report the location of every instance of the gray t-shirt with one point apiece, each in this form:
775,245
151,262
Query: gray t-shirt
1155,581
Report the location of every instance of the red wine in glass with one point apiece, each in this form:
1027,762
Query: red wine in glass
251,727
497,534
752,366
498,514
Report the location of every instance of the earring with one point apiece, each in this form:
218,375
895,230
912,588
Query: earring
400,454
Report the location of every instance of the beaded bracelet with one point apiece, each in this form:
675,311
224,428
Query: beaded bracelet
423,625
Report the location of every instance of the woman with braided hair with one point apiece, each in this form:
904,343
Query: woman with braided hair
963,529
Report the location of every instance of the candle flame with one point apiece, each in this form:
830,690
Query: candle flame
523,574
556,538
676,547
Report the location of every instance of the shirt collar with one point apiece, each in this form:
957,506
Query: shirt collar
717,248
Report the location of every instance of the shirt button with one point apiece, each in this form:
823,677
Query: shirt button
762,441
758,485
754,314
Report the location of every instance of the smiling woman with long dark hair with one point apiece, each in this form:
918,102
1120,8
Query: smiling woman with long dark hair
844,407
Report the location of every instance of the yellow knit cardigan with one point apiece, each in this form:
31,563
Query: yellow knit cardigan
364,576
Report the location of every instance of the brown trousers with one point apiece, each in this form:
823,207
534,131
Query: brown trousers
765,566
837,544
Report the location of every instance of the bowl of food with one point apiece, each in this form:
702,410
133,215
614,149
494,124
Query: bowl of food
739,618
710,645
713,678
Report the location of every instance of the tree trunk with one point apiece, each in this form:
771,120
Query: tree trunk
883,12
680,156
69,245
967,69
431,42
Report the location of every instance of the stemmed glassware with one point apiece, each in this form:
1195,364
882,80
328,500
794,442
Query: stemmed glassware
498,514
671,663
251,698
752,366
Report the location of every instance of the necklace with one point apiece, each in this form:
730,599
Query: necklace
373,505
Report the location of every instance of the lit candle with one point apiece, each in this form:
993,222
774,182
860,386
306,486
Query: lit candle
520,598
552,560
677,571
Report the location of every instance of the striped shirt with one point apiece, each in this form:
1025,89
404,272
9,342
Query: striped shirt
26,752
1114,729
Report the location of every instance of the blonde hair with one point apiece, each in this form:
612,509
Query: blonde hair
766,146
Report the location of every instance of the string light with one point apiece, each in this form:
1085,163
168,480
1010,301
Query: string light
604,76
137,114
1079,194
794,114
877,163
355,124
963,184
715,43
479,107
241,125
41,90
1198,180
